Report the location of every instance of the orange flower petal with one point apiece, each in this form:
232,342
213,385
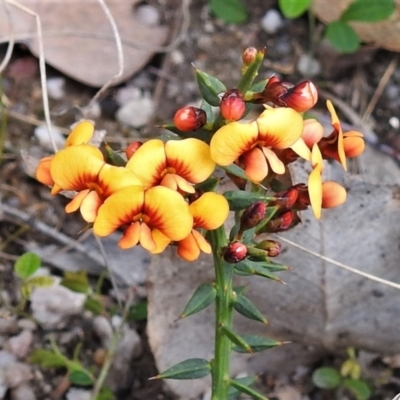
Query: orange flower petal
279,127
176,182
333,194
112,179
131,236
255,164
90,206
233,140
353,145
81,133
76,202
210,211
168,212
301,149
202,243
119,209
146,238
273,160
149,162
43,171
160,240
315,191
312,133
190,158
74,167
336,125
188,248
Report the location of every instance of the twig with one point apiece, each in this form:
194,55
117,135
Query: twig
381,86
339,264
11,41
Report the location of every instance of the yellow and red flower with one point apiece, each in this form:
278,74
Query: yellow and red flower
251,144
209,212
152,218
177,164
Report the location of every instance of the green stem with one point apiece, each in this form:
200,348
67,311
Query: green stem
223,312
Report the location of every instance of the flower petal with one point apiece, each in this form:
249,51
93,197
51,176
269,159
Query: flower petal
188,248
81,133
149,162
119,209
190,158
333,194
315,191
301,149
279,127
167,211
112,179
274,162
210,211
160,240
43,171
131,236
312,133
74,167
76,202
233,140
353,144
176,182
146,237
254,164
90,206
202,243
336,124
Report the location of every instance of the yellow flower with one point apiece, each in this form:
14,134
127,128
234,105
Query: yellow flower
250,144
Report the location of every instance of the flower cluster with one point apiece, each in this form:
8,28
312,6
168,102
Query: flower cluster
162,194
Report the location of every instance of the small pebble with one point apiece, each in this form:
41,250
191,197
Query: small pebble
272,21
20,345
27,324
308,66
42,135
103,329
17,373
148,15
394,122
137,112
78,394
56,88
6,358
23,392
8,325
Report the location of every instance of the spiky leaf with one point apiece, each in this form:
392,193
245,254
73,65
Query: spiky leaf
246,389
234,393
244,306
240,199
209,87
194,368
203,296
113,157
251,72
237,340
257,343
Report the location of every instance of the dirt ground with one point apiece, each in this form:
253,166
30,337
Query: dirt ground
212,46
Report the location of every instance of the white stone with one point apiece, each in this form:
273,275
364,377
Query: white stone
103,329
23,392
42,135
272,21
27,324
78,394
148,15
6,358
17,373
3,384
308,66
136,112
394,122
52,305
56,88
20,344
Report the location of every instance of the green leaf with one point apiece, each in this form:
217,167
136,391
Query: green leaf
257,343
235,383
237,340
240,199
358,388
193,368
343,37
81,378
26,265
369,10
247,267
232,11
47,359
235,170
294,8
234,393
105,394
113,157
76,281
244,306
251,72
207,108
208,185
326,378
203,296
209,87
35,282
94,305
138,312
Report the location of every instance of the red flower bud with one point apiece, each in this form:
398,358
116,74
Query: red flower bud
249,55
252,215
282,223
232,105
272,247
235,252
301,97
287,198
131,149
190,118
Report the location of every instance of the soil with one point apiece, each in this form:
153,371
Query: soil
212,46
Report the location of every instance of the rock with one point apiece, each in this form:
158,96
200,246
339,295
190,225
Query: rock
287,393
27,324
51,306
42,135
308,66
137,111
103,329
56,88
20,345
17,373
148,15
78,394
3,384
23,392
6,358
129,348
8,325
272,21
